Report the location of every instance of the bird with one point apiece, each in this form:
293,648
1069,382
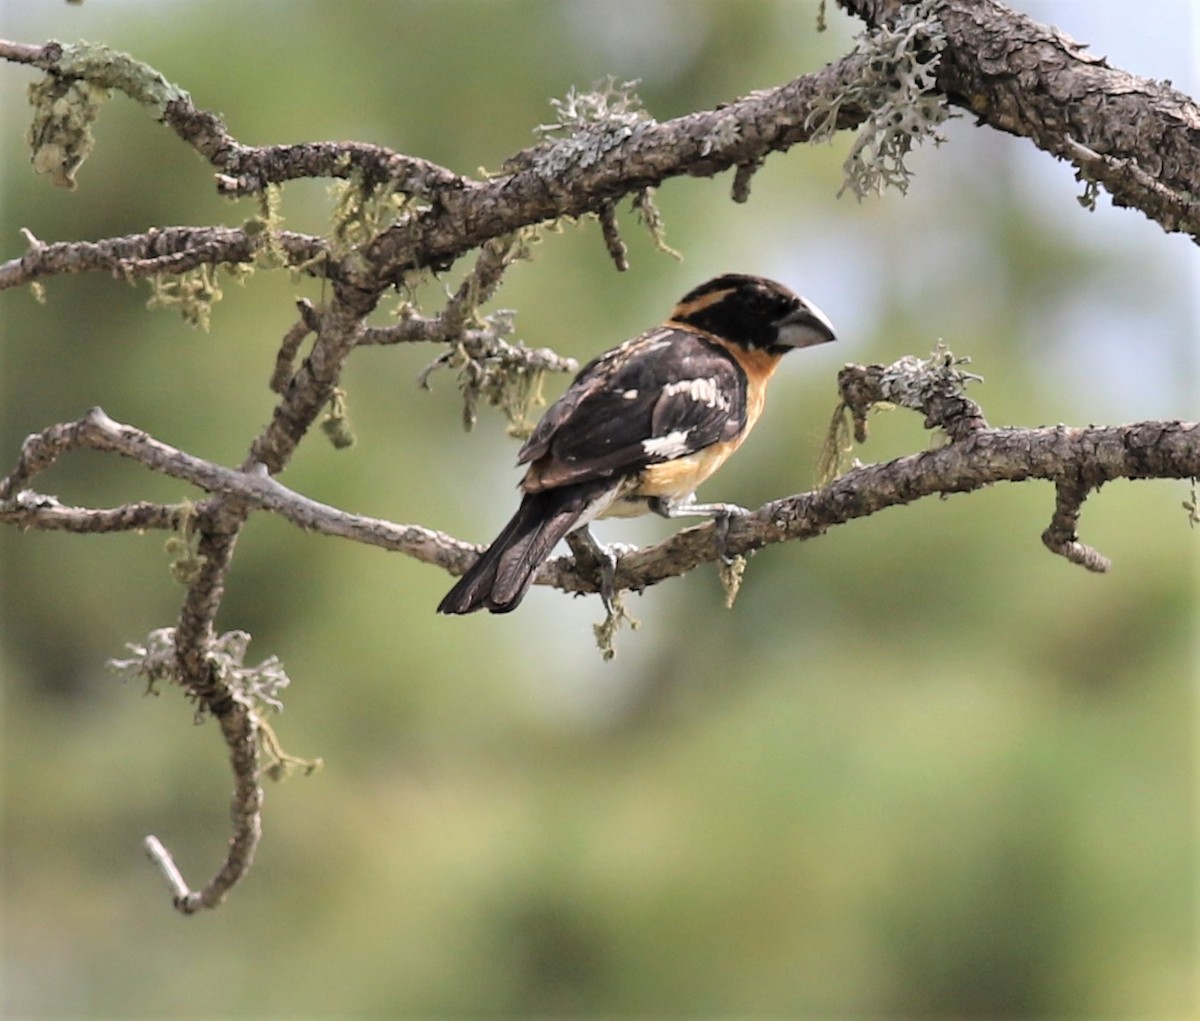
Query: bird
641,427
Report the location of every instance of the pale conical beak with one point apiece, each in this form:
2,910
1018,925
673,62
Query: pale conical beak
804,327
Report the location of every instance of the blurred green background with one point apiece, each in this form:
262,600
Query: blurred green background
921,768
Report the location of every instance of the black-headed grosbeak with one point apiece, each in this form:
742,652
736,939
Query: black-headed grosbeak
643,425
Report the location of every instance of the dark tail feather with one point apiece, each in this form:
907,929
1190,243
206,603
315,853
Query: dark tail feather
499,579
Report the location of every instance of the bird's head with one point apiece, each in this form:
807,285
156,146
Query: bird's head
755,313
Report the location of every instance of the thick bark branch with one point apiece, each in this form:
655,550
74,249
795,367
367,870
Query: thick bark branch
567,178
1137,137
570,179
981,456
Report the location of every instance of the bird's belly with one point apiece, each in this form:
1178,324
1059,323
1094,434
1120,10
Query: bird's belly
626,507
679,478
672,480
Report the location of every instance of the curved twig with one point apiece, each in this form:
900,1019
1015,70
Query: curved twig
240,730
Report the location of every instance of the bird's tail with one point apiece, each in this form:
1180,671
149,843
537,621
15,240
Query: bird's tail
499,579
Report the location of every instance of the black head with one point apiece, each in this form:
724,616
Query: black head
754,312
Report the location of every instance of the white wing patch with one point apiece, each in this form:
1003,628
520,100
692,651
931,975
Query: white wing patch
702,391
673,445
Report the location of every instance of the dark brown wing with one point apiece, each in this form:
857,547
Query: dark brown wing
658,397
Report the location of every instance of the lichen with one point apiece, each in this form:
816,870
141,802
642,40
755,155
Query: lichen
111,69
587,126
652,220
615,615
898,92
911,382
362,210
67,102
192,294
506,376
257,687
60,135
183,546
267,223
336,423
731,572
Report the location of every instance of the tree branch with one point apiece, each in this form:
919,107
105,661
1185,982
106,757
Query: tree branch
252,488
1135,136
241,736
565,178
170,250
978,456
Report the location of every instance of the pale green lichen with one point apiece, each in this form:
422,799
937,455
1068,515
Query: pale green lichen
587,126
362,210
336,423
266,224
281,764
615,616
731,572
183,546
60,135
66,103
839,442
257,687
192,294
910,381
506,376
898,91
108,68
652,220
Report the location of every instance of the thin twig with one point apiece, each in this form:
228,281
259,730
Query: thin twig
158,250
240,729
166,865
46,513
612,237
1060,536
250,169
285,358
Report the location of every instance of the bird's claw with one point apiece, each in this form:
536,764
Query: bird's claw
609,557
721,521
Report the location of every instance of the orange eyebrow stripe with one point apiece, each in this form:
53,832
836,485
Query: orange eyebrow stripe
689,308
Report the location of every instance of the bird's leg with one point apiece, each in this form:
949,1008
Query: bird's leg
585,545
721,513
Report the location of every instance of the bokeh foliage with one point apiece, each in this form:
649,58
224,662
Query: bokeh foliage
921,767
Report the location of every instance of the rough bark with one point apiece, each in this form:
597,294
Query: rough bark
1138,137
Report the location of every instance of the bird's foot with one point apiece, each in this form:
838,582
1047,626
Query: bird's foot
722,514
585,546
609,557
